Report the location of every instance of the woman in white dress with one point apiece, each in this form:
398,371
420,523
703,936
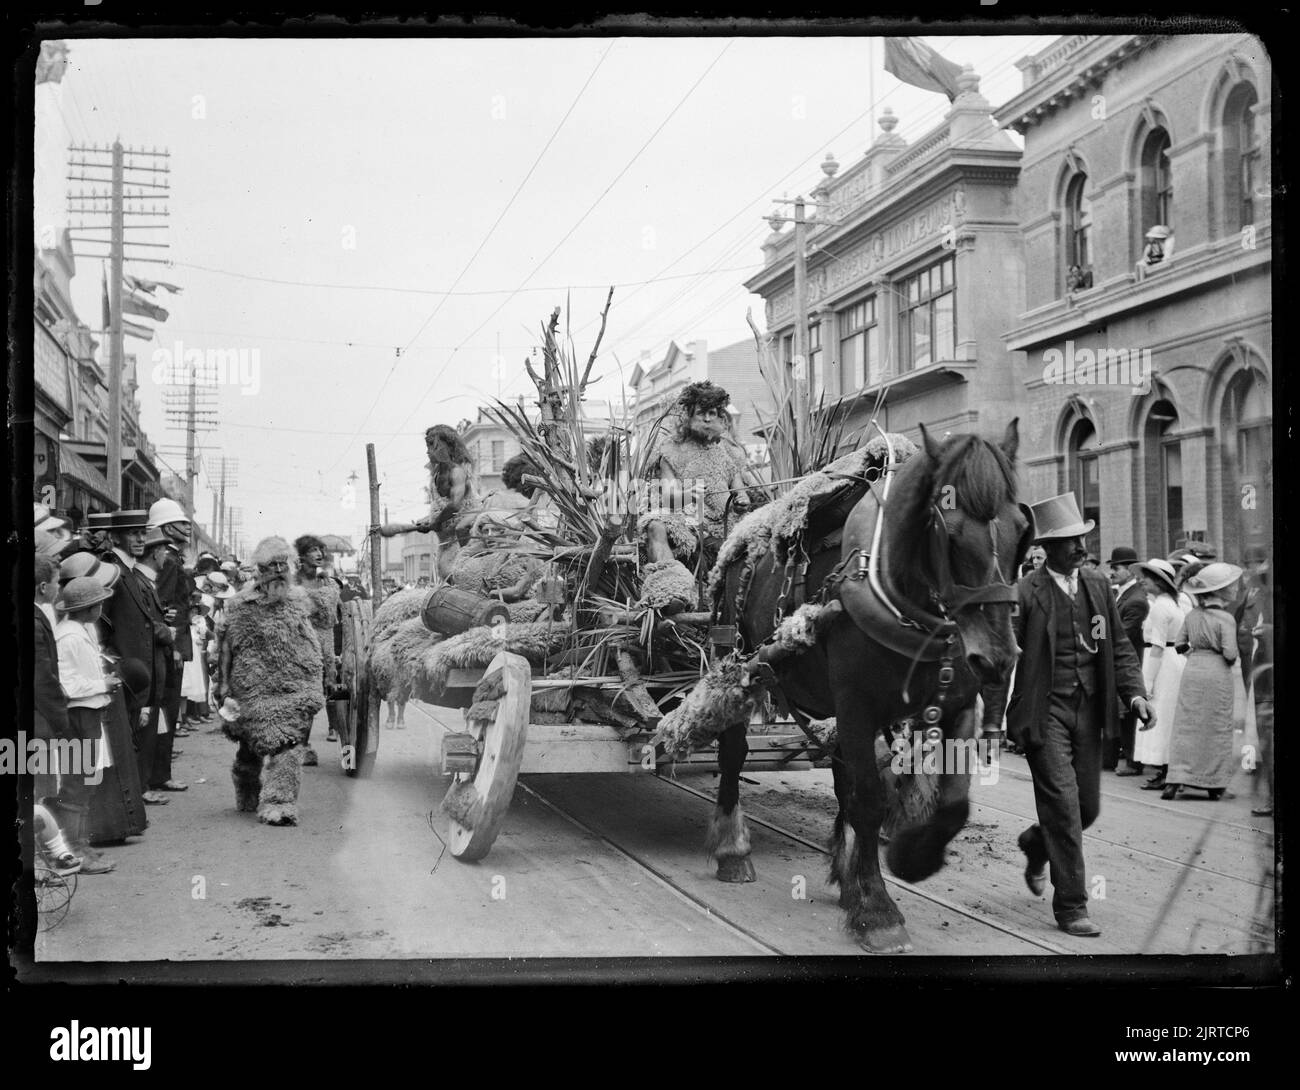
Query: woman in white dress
1162,667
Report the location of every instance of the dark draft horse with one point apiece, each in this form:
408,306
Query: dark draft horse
925,624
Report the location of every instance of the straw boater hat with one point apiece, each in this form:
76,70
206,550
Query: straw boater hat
1162,571
81,593
1059,517
1212,577
128,520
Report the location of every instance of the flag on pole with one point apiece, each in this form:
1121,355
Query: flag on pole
151,286
143,332
914,62
134,304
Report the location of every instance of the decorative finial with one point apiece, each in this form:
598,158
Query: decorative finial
887,120
829,165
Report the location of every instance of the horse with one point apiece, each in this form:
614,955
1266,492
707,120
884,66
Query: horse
925,579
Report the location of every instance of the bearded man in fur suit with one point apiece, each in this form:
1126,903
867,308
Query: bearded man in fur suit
701,456
316,578
271,668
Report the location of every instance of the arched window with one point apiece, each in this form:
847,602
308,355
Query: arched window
1085,478
1163,465
1157,181
1246,452
1241,157
1078,225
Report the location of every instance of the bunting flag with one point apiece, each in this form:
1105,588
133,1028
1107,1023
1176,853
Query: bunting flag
914,62
151,286
134,304
52,62
143,332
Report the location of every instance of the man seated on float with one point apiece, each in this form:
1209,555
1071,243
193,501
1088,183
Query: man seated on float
692,475
486,565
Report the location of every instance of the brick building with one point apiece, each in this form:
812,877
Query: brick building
916,278
1123,134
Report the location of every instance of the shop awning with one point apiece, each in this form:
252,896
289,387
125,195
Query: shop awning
74,468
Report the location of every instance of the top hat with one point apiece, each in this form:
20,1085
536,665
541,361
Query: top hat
1212,577
1162,571
1059,517
1123,554
128,520
81,593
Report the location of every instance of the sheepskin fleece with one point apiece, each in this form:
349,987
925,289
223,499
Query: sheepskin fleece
395,609
392,662
478,647
401,610
665,581
777,522
324,598
484,572
682,529
718,701
275,669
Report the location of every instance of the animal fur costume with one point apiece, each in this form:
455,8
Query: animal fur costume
274,674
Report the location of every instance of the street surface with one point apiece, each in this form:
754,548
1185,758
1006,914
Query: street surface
607,865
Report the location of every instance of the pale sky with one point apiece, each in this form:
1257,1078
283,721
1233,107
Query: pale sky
369,173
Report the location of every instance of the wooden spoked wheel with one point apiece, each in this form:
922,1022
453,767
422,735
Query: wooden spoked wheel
359,728
476,805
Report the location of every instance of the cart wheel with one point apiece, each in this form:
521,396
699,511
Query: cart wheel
361,729
477,806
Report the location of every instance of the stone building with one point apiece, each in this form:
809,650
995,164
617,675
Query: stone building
1144,343
913,279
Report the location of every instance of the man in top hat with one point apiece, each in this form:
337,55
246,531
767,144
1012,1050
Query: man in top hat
1133,609
1076,667
133,626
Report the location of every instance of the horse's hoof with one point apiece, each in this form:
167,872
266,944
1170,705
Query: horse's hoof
886,940
736,868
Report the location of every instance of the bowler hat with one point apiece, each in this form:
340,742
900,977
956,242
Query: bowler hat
1123,554
81,593
156,537
1212,577
129,520
1162,571
135,676
1059,517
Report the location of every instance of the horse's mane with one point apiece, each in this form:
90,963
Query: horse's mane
981,476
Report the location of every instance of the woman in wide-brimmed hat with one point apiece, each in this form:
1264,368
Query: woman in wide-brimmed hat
1200,750
1162,667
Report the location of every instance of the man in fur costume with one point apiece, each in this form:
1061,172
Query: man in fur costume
270,669
700,456
318,580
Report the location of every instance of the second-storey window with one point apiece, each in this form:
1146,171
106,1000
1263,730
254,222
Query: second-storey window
927,316
816,372
1157,182
1078,211
859,346
498,455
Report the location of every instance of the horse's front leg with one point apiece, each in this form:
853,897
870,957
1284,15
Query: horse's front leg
727,840
917,852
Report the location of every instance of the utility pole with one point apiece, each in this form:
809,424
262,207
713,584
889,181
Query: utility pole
90,204
228,468
188,411
800,370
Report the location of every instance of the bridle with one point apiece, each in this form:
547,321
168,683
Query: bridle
950,597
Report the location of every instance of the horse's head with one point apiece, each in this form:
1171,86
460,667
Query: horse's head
971,535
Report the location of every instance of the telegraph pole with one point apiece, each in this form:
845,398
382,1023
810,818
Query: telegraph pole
90,204
198,414
800,367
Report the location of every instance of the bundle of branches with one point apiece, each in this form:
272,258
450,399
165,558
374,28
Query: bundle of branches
797,448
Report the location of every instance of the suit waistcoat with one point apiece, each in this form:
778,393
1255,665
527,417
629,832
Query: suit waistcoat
1076,649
